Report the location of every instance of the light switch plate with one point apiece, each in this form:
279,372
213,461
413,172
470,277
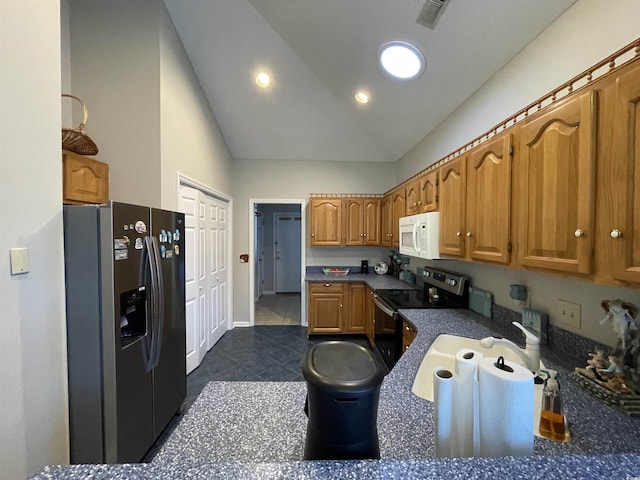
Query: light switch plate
568,314
19,260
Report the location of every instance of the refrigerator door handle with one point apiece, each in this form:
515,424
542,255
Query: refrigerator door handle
159,310
148,276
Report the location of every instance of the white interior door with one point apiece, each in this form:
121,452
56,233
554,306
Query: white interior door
216,269
188,202
287,252
203,303
260,254
224,231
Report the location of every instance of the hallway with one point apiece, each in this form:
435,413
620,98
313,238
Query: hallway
278,309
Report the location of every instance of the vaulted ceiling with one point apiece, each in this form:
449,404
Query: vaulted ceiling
320,52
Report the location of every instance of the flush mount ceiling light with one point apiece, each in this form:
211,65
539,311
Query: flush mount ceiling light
263,80
402,60
362,97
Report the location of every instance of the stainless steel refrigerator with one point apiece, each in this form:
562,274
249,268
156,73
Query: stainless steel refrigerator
125,298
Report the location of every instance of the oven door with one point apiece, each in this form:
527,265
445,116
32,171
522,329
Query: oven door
387,332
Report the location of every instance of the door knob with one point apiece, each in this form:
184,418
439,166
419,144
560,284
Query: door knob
578,233
615,233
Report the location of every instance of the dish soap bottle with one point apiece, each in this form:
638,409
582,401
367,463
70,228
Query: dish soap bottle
551,413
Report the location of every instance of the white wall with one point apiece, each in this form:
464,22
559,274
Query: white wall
274,179
586,33
33,399
115,70
147,112
191,139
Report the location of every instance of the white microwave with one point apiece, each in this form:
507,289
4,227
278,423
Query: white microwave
420,235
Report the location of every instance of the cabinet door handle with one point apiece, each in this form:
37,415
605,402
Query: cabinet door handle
578,233
468,234
327,284
364,234
458,234
340,305
313,234
615,233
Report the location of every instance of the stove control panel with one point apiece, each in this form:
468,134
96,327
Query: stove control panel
450,281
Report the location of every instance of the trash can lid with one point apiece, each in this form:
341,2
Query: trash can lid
341,365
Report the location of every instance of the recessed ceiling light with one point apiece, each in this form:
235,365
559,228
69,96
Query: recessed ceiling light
263,80
362,97
402,60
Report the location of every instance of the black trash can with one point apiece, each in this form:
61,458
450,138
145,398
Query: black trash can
343,387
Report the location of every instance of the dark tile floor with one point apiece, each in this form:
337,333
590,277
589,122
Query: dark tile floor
263,353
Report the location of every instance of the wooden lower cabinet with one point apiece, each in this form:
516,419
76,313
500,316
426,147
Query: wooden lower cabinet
354,322
326,307
337,307
369,316
409,333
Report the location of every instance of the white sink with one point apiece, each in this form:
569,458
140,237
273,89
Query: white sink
442,354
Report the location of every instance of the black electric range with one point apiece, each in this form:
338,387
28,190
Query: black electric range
435,289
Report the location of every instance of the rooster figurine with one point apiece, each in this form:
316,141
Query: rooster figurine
622,316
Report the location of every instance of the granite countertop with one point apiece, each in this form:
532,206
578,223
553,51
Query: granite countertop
257,430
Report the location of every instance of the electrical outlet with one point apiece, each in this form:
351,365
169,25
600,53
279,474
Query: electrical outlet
568,314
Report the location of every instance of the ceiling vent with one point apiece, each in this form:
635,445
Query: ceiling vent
431,13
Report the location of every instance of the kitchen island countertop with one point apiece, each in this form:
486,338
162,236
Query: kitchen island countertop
605,443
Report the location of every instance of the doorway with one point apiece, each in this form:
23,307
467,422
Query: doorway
278,262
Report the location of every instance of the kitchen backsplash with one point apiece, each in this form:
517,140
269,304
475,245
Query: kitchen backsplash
561,343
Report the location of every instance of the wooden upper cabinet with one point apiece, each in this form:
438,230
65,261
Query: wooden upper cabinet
362,221
619,179
353,224
371,219
453,195
556,215
428,201
412,195
398,210
386,221
84,179
489,200
325,221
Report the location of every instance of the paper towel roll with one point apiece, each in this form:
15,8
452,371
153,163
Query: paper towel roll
505,408
465,403
444,435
